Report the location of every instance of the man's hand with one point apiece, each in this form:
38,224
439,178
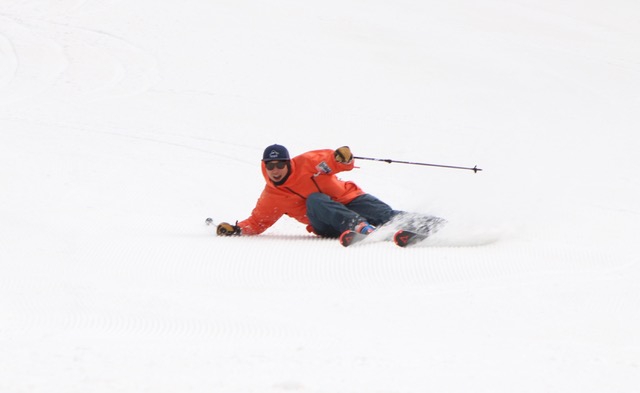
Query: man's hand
226,229
343,155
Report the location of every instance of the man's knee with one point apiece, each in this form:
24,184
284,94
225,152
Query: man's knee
376,211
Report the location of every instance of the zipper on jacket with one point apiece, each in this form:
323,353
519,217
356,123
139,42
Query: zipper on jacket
300,195
313,179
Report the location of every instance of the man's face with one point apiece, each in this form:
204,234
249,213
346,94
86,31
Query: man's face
277,170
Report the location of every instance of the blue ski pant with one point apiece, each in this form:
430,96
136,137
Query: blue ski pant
330,218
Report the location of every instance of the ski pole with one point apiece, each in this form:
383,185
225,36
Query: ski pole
475,169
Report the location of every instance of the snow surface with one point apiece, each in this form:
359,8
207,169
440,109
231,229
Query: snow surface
124,124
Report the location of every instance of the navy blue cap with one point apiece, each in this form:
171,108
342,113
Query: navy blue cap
275,153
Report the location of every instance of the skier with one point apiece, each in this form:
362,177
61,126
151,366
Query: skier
306,188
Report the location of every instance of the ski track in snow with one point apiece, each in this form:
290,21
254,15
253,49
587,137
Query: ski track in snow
80,63
9,61
29,76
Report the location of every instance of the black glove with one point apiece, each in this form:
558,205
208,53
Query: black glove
226,229
343,155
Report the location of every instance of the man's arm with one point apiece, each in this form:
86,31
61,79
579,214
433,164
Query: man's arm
263,216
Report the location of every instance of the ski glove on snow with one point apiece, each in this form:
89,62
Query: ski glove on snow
226,229
343,154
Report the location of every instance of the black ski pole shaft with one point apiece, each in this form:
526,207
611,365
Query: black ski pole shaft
475,169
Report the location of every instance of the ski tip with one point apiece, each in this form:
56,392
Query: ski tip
347,238
402,238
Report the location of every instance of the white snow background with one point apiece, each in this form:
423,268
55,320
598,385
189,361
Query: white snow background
124,124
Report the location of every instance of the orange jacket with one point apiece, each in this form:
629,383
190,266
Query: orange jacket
311,172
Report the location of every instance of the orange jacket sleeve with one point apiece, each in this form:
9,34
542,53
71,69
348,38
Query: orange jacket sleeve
263,216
